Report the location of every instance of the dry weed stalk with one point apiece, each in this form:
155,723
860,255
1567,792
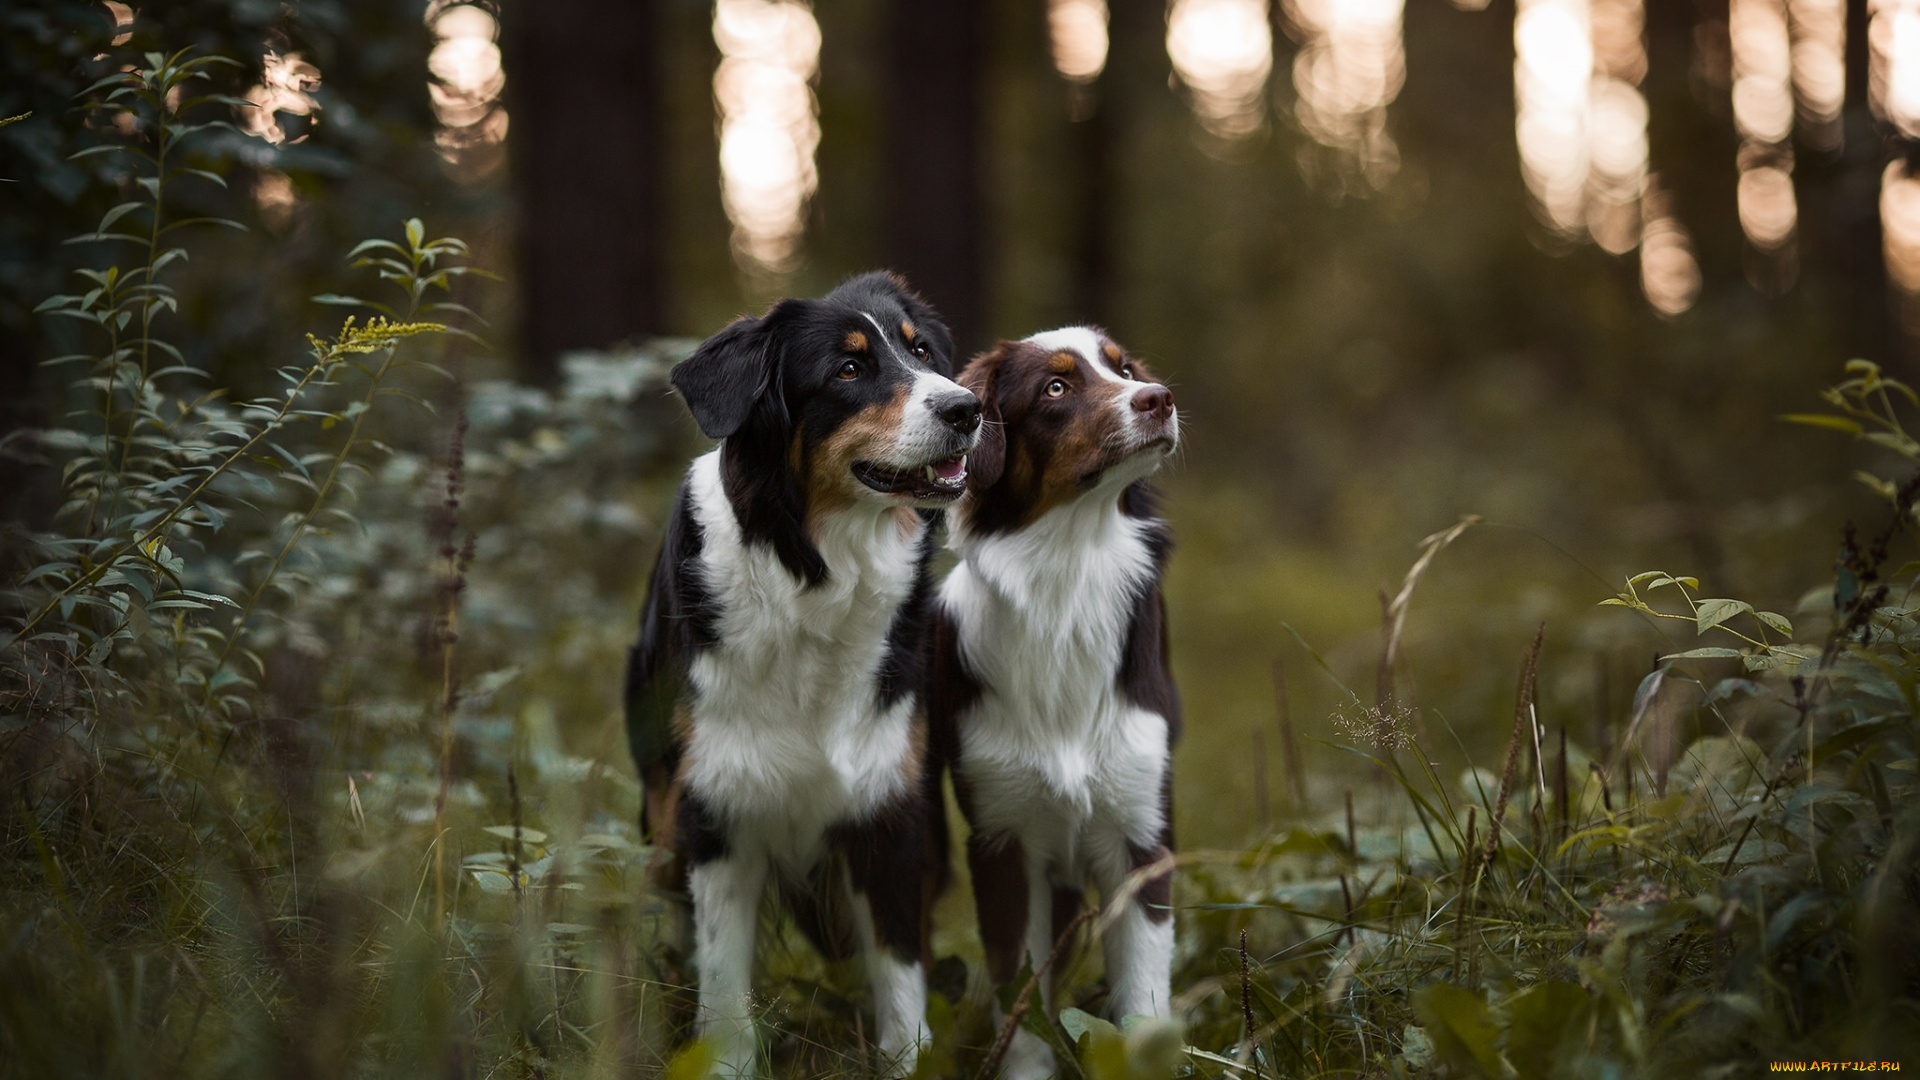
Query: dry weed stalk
1522,714
1289,742
1393,616
447,634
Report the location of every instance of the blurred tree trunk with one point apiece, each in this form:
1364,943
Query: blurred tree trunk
1093,144
587,144
1872,328
1134,80
935,213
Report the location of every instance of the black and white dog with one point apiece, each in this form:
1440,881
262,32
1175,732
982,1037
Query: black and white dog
773,699
1051,697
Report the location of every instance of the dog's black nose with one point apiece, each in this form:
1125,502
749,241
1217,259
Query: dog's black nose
961,412
1156,401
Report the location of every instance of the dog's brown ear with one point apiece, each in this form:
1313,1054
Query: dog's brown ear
982,376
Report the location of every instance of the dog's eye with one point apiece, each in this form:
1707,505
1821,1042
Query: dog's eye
849,370
1126,371
920,349
1056,387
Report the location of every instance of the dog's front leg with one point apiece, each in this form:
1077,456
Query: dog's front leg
1028,1056
726,912
1138,945
899,984
884,881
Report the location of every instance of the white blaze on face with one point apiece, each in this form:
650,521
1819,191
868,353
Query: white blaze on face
922,436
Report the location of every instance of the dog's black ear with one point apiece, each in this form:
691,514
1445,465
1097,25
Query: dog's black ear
725,376
986,460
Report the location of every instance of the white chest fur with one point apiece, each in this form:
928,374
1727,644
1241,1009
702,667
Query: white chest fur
1053,751
789,734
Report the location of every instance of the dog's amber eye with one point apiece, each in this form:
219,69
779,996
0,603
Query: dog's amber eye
920,349
849,370
1056,387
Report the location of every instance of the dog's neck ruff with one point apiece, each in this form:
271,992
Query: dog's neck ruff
790,733
1042,615
1077,568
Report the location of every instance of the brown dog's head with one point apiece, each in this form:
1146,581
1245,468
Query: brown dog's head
1067,414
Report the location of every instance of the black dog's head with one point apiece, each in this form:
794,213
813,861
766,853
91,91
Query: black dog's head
831,403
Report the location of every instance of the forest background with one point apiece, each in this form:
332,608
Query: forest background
1380,310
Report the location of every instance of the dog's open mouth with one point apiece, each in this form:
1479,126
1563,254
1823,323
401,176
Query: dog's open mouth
943,479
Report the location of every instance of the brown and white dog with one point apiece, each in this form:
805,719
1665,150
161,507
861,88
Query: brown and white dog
1050,696
773,701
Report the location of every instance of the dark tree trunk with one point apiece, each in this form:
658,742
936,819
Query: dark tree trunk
1093,209
1132,86
936,221
1872,328
587,141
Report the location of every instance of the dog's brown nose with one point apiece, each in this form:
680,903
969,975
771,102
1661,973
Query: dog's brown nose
1156,401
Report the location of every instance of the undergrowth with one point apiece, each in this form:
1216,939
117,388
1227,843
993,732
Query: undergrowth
312,761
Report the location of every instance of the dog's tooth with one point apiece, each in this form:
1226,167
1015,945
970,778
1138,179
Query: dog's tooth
931,475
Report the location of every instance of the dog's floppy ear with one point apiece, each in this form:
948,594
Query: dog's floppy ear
725,376
986,460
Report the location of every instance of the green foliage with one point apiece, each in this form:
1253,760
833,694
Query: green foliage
181,692
1652,913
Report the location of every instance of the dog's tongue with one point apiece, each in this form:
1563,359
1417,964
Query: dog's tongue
951,469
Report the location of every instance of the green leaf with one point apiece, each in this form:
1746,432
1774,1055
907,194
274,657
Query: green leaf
694,1061
104,148
211,598
1711,652
1777,623
527,836
1546,1017
99,238
492,881
203,174
1461,1026
1882,488
1894,441
1711,613
1847,738
371,245
1078,1023
1822,420
228,223
115,214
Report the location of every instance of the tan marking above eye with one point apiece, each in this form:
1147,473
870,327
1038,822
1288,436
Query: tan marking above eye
855,341
906,328
1111,351
1061,362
